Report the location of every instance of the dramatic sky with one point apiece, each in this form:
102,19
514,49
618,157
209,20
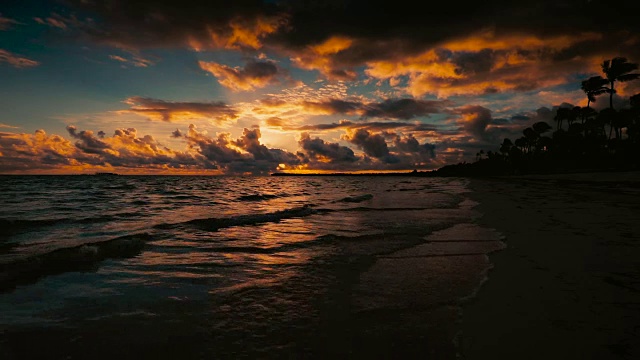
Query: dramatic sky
251,87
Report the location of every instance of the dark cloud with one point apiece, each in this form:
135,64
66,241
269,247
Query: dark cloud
373,145
335,106
250,142
403,109
375,126
474,119
318,150
397,26
470,63
162,110
160,23
410,144
397,109
222,152
87,142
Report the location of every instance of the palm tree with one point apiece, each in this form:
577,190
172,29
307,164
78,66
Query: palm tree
618,69
574,114
561,114
506,146
541,127
531,136
593,86
521,143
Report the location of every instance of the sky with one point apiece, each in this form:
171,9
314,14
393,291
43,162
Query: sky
252,87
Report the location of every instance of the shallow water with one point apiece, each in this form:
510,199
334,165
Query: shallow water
232,267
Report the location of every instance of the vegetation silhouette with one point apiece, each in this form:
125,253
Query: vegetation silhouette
580,141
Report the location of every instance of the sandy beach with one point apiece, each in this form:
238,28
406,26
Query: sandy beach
567,285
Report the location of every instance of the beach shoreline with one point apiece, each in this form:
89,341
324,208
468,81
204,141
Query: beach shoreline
566,285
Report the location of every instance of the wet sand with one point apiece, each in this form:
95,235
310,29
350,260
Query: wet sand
567,285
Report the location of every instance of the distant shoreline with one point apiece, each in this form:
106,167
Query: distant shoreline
408,173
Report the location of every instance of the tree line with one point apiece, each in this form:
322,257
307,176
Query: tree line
582,138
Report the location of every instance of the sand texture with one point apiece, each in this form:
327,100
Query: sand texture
567,285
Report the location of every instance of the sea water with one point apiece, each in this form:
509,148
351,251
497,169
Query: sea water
236,267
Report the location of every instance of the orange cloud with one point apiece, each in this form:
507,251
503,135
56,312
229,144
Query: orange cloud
21,152
487,39
238,33
320,57
256,74
486,63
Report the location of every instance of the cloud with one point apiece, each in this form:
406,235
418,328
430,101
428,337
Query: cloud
126,151
134,59
255,74
486,62
321,57
16,60
395,109
373,145
319,151
410,144
55,21
375,125
403,109
207,25
480,48
245,155
6,23
161,110
22,152
474,119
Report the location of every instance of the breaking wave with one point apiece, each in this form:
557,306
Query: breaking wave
356,199
83,257
214,224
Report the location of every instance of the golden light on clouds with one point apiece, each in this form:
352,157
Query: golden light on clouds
488,39
232,78
483,63
320,57
238,33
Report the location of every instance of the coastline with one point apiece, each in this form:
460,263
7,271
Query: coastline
566,285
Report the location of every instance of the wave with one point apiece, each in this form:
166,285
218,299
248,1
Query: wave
83,257
10,227
257,197
213,224
320,240
356,199
13,227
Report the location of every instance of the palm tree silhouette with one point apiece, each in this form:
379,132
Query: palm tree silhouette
618,69
593,86
562,113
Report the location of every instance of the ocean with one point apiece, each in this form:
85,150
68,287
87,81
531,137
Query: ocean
218,267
